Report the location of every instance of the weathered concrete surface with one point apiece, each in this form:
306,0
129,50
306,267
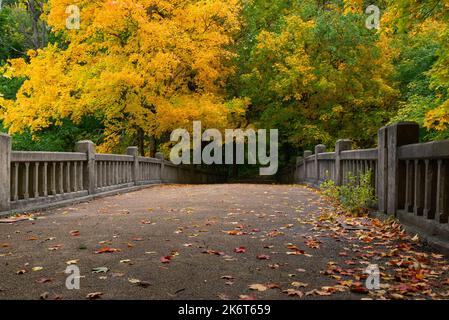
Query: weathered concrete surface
185,221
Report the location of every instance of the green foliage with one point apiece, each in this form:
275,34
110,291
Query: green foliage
312,71
58,139
355,195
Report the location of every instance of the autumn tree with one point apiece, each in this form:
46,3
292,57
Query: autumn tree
140,67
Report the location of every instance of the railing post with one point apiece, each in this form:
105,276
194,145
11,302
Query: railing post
306,154
134,151
397,134
341,145
5,172
318,149
89,175
161,157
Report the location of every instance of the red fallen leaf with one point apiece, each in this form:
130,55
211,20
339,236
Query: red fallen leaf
107,250
166,259
44,280
240,250
33,238
74,233
446,282
263,257
246,297
349,262
255,230
343,254
359,289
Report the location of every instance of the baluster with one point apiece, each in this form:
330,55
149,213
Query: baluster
36,180
418,205
68,177
105,174
429,190
119,168
75,177
15,179
111,173
441,203
100,174
61,177
45,180
409,186
118,172
53,178
26,179
128,171
81,181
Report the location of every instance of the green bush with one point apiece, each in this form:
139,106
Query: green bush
355,196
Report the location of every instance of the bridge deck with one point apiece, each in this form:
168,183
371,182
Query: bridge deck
198,228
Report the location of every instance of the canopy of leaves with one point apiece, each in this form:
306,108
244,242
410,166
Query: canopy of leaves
135,65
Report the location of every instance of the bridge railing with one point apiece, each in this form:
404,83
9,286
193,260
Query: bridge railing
410,179
31,180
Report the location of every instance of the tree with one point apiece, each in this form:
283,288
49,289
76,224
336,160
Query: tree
422,30
140,67
315,71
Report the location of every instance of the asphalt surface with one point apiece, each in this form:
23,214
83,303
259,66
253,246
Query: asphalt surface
197,229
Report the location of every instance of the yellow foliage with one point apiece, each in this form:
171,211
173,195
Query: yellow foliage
150,65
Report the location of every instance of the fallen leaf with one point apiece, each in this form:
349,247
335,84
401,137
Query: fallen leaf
74,233
258,287
166,259
240,250
294,293
246,297
100,270
44,280
107,250
94,295
299,284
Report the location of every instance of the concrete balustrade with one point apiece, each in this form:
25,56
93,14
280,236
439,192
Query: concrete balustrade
411,179
36,180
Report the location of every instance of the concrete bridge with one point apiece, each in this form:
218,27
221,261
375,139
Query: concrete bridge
173,232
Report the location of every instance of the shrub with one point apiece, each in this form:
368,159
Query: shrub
355,196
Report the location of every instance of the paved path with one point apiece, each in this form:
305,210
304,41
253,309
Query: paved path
179,242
